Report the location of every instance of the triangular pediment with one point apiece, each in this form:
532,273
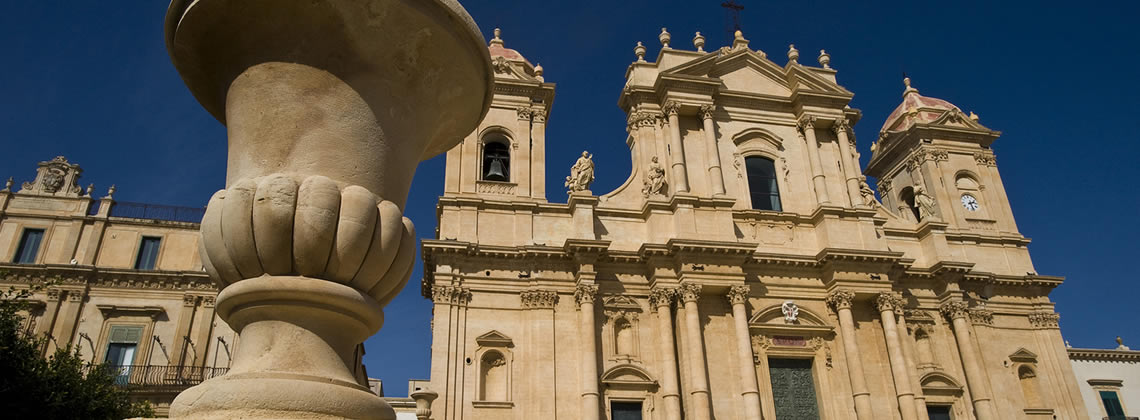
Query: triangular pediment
1023,355
494,339
741,70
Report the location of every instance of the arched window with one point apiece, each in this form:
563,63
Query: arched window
493,376
1028,379
496,161
624,339
907,196
762,183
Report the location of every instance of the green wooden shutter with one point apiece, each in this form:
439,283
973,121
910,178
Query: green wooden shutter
124,334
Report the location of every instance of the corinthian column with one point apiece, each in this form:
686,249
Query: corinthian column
888,304
958,313
680,176
749,390
584,296
698,374
661,300
846,159
840,300
713,153
912,366
819,181
326,122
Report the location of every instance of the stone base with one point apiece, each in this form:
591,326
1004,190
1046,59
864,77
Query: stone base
279,396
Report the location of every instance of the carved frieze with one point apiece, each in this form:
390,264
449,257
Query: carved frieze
539,299
491,187
450,295
1045,319
918,316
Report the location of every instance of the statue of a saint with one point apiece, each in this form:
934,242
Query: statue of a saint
654,179
581,174
925,204
867,193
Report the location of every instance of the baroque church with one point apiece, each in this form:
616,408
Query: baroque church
745,269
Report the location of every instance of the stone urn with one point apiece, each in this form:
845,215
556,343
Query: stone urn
329,106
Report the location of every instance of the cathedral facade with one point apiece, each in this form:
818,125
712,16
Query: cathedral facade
745,269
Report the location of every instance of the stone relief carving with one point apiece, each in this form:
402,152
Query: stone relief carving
982,316
450,295
787,172
791,312
585,293
54,177
654,183
524,113
985,159
1045,319
495,188
581,174
539,299
772,233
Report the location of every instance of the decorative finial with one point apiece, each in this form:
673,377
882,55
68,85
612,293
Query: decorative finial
1120,344
906,82
1067,345
793,54
738,34
497,40
664,38
90,188
974,116
738,41
640,51
538,72
8,185
699,42
824,59
110,191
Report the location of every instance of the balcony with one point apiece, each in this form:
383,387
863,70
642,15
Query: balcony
157,212
160,378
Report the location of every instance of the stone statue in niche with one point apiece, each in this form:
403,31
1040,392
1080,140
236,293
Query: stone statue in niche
925,203
791,312
867,193
654,179
581,174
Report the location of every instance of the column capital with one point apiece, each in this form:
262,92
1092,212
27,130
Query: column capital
538,115
661,297
840,299
539,299
955,309
585,293
981,316
53,295
806,123
738,295
1045,319
524,113
671,108
706,111
888,301
450,295
841,125
690,292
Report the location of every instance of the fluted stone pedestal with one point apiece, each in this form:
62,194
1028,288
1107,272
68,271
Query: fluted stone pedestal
329,106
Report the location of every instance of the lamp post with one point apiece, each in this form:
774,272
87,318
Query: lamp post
329,106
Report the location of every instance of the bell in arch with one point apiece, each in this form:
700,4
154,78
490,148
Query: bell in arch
495,161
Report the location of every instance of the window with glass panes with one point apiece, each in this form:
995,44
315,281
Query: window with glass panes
148,253
1112,407
29,246
122,346
762,183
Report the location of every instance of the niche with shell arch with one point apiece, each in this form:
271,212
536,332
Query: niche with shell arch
494,369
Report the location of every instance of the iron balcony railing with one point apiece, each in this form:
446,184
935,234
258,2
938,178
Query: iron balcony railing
157,212
165,377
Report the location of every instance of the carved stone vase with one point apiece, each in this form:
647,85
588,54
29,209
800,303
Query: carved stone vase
329,106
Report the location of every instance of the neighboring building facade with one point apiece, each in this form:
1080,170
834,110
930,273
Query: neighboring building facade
126,282
1109,381
744,270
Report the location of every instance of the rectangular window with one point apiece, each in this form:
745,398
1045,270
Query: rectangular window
29,246
121,349
762,185
148,253
1112,405
625,410
793,389
938,412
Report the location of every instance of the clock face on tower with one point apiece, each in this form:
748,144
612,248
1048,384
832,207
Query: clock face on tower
970,203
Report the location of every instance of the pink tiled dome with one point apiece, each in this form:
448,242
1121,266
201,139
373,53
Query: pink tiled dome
914,109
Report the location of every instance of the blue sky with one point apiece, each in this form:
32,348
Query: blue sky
92,81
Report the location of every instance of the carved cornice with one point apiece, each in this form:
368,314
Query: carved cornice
1100,355
738,295
585,293
671,108
888,301
707,111
539,299
450,295
661,297
840,299
690,292
1045,319
954,310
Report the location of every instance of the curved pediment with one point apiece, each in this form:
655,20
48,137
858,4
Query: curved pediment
756,137
773,315
935,382
628,375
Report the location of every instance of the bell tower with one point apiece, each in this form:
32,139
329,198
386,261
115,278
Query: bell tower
505,157
934,164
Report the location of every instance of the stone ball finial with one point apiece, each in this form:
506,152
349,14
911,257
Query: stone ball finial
824,59
738,34
640,51
793,53
538,72
699,42
664,38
